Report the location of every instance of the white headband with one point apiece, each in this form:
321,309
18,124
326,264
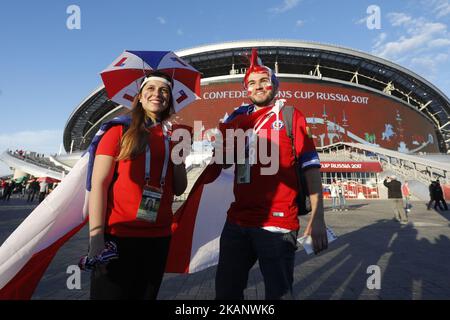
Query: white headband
160,79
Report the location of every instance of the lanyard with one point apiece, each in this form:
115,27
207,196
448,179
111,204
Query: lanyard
275,110
250,151
165,165
263,121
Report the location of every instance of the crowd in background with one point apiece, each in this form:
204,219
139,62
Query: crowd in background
26,154
39,159
33,189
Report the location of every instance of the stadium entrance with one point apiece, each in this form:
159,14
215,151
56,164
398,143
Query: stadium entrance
359,179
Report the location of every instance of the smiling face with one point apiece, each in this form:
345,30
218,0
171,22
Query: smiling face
260,89
155,97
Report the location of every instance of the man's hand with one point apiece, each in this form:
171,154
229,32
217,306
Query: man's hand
317,230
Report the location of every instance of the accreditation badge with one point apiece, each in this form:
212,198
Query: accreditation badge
150,203
243,172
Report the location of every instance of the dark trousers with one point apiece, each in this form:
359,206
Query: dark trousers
31,195
6,191
430,203
136,274
440,200
241,247
8,195
437,203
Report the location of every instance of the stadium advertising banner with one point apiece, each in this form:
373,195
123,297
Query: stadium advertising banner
339,166
334,113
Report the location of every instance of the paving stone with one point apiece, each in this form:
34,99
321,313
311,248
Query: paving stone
413,259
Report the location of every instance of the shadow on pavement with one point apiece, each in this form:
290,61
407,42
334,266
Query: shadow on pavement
411,268
348,206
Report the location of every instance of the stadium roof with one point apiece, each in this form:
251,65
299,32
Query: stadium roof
322,61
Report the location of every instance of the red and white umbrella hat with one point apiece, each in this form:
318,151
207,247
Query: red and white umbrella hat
124,76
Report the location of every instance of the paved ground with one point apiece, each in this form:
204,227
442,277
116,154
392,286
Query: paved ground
414,259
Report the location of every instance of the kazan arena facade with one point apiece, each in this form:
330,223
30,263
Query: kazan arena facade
346,95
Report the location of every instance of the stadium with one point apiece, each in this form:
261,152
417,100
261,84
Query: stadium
338,90
368,116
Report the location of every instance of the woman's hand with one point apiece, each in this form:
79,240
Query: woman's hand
96,245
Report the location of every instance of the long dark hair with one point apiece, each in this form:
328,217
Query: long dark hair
135,140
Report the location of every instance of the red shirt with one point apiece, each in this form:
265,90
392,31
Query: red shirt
269,200
125,195
405,190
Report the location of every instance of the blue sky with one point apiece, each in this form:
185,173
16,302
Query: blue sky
46,70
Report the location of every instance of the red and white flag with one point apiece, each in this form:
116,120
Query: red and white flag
26,254
28,251
199,222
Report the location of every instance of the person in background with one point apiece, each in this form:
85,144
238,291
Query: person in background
407,195
334,194
341,196
23,186
439,194
433,192
43,190
5,189
395,195
33,190
2,188
9,189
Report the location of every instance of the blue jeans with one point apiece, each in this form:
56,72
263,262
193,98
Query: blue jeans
341,201
241,247
335,202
